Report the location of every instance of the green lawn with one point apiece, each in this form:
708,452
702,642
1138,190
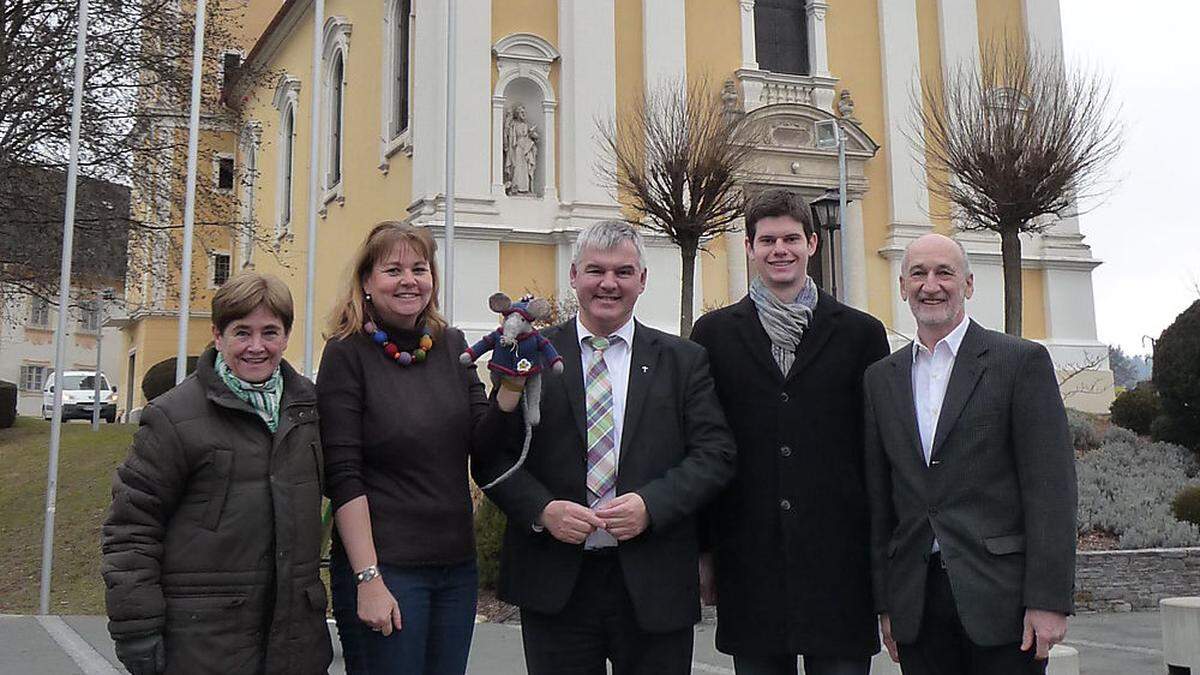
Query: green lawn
86,463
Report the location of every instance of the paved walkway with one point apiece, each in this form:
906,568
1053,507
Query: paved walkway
1108,644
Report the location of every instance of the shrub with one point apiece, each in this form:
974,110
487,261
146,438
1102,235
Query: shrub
1177,377
1084,435
1116,434
8,404
1136,409
489,535
1126,487
161,377
1186,505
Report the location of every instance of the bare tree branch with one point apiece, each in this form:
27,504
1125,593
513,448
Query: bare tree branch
672,159
1014,143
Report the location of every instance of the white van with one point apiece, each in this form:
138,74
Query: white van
78,391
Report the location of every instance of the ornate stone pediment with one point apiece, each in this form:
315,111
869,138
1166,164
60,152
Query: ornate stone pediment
786,152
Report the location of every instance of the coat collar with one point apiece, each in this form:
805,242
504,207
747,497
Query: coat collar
825,320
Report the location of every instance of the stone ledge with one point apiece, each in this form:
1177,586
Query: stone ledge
1133,580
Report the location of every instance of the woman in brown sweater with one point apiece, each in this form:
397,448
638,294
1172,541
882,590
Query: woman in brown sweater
398,417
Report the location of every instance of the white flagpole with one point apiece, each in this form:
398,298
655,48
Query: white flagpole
451,9
60,334
314,183
189,200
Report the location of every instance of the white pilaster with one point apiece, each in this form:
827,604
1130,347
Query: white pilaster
749,49
587,37
958,30
1043,25
818,52
735,256
664,42
854,258
473,110
909,199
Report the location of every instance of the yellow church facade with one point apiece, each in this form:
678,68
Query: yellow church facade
532,77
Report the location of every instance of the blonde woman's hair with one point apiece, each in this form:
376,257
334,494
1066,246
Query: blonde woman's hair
245,292
350,312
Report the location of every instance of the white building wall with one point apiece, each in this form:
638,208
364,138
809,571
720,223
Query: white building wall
21,345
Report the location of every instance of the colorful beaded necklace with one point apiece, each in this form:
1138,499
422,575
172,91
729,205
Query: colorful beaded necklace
403,358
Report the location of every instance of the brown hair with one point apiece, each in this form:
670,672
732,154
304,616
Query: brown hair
777,202
245,292
350,311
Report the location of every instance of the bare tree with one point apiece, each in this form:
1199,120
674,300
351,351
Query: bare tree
673,158
134,119
1013,143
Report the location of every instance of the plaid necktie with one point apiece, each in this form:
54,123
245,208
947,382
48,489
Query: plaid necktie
601,430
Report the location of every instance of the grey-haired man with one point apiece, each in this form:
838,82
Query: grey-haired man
600,551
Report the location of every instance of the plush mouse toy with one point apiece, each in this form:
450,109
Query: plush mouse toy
518,350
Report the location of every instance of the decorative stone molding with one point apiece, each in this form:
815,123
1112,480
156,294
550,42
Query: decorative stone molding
287,92
762,88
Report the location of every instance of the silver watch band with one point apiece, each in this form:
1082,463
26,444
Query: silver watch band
363,576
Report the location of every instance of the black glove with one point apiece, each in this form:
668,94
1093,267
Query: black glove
143,655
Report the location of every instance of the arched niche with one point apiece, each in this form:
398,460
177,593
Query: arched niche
523,87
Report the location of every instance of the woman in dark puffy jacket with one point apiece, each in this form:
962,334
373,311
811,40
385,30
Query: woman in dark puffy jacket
212,543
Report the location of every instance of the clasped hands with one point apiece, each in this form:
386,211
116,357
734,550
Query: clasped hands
624,517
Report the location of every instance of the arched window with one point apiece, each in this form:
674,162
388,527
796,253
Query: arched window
287,102
250,140
287,139
333,123
337,92
781,36
398,28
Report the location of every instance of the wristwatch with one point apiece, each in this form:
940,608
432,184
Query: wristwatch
367,574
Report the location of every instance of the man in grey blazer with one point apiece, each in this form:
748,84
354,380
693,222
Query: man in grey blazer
971,482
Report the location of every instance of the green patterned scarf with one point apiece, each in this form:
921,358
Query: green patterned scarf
263,397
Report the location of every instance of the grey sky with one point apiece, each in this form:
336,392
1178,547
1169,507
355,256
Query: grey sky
1147,232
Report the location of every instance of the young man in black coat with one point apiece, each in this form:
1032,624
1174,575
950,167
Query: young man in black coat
789,564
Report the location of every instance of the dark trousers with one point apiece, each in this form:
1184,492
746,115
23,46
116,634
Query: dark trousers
943,648
437,608
598,625
813,665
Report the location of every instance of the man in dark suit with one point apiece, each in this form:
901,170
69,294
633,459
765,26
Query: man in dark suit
971,479
790,535
600,551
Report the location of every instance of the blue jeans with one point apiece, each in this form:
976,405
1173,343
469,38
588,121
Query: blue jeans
813,665
437,607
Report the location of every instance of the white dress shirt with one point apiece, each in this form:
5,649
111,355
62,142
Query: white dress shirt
617,357
930,377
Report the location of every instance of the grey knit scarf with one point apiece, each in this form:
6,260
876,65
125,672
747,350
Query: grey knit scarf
785,322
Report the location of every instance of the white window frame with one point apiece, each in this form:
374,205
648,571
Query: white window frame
216,163
287,102
29,321
86,309
337,46
393,140
212,266
26,370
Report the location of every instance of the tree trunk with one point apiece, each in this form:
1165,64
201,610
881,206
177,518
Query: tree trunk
1010,255
687,288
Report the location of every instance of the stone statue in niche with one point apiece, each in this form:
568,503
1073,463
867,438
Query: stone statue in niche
520,152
